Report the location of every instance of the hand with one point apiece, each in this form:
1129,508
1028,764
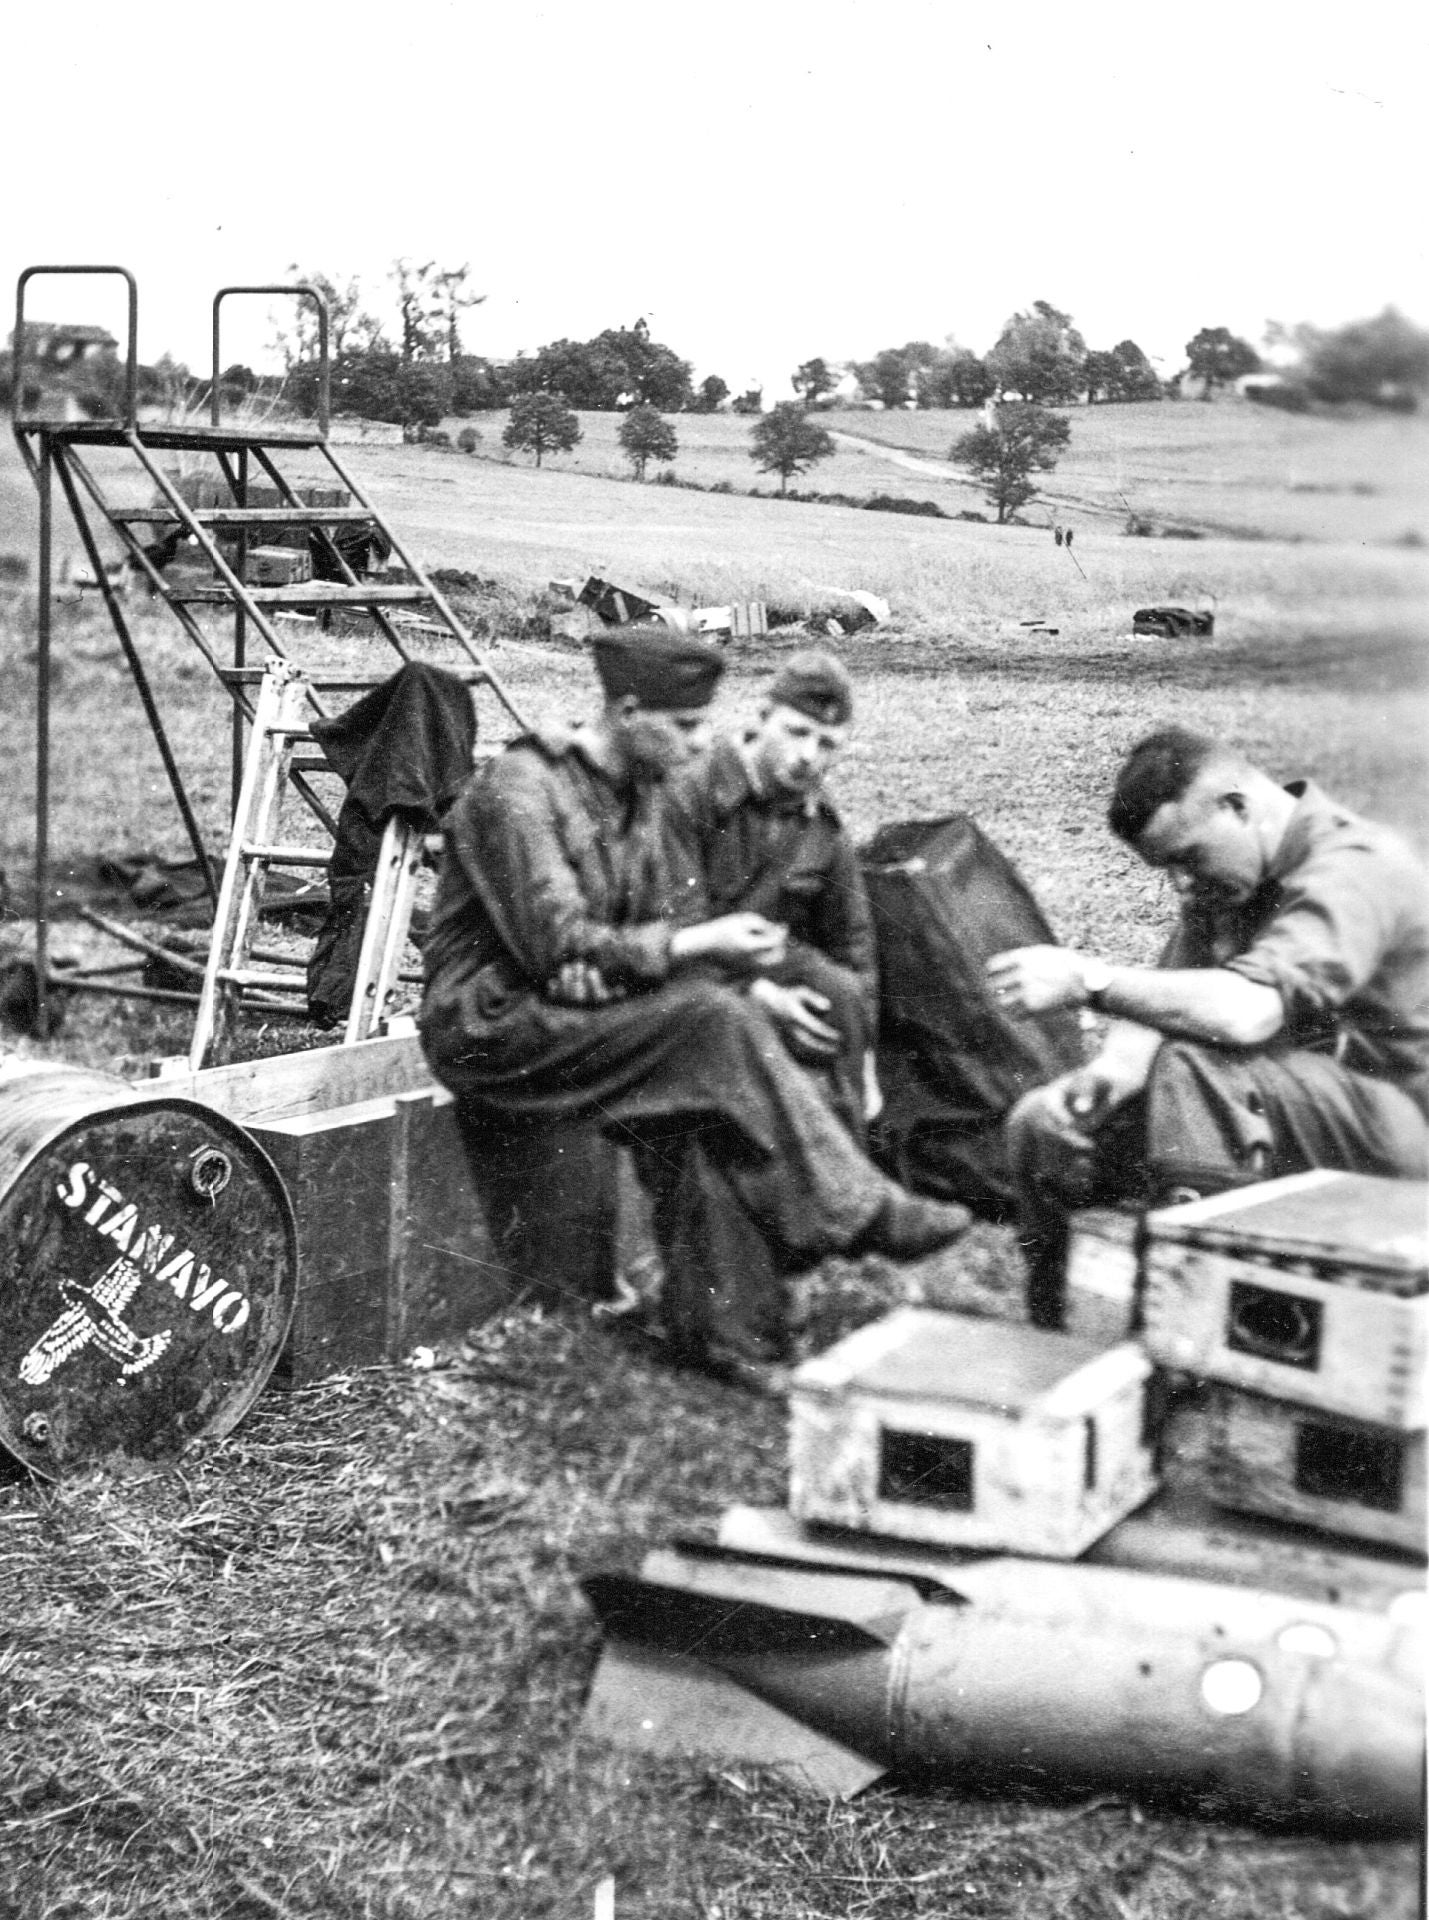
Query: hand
580,983
1077,1103
742,939
1032,980
798,1012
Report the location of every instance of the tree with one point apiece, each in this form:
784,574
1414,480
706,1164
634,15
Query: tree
381,385
1039,355
750,401
813,380
712,394
1124,373
787,441
1217,357
416,306
956,378
449,300
1384,361
350,329
541,423
621,367
645,434
1026,440
890,375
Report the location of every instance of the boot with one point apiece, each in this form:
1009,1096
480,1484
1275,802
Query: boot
909,1227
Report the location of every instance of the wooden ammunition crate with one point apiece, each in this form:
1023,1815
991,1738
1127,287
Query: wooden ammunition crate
278,566
1344,1476
1314,1288
971,1433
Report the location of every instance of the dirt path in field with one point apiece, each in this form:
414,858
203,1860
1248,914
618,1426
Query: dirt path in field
938,470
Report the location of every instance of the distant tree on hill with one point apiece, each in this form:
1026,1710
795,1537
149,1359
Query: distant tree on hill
1382,362
1039,355
889,377
621,367
956,378
1218,357
750,401
1123,374
381,385
786,441
1026,440
541,423
813,380
645,434
711,394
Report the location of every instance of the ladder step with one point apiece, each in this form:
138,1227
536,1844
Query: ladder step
253,977
248,516
285,856
347,682
311,593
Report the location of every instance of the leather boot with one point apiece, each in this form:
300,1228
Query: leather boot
909,1227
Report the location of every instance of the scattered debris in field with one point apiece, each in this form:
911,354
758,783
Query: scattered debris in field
1174,623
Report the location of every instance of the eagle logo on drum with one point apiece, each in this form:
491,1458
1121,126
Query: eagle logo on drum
92,1314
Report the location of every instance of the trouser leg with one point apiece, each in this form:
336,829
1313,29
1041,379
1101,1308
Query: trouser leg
724,1292
843,1077
1053,1177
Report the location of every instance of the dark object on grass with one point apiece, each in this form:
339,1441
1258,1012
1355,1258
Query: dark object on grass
951,1062
1174,623
617,606
20,1001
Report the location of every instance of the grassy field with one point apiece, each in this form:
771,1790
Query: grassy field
334,1665
1229,467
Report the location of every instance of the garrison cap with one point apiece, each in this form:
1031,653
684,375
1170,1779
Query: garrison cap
816,685
665,671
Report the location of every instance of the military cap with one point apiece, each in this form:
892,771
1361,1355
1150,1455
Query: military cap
816,685
666,671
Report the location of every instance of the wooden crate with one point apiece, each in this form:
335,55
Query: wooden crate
1344,1476
1313,1288
278,566
393,1241
965,1432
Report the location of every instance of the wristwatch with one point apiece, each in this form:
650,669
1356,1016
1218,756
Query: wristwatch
1096,978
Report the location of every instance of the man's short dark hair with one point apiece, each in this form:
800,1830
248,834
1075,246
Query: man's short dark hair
1156,772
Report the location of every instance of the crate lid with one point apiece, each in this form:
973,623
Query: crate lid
919,1353
1348,1219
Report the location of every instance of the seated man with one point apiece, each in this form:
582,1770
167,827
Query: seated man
1286,1027
560,986
763,837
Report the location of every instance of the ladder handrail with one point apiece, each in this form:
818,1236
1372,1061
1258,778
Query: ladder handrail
302,290
131,357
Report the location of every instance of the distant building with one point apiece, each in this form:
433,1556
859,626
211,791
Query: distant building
63,369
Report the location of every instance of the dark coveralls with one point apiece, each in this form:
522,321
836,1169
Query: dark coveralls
548,860
789,858
1340,929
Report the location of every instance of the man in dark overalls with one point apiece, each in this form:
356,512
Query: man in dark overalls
567,980
762,834
1286,1027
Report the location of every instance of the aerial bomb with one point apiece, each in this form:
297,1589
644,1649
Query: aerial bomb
1018,1673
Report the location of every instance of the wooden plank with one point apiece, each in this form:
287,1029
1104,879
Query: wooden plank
310,1082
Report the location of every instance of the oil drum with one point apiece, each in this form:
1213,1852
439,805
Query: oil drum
148,1269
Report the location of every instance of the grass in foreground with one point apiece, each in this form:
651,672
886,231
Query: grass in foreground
334,1665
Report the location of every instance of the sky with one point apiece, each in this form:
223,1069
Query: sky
763,182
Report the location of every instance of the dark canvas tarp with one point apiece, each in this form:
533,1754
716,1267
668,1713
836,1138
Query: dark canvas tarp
950,1061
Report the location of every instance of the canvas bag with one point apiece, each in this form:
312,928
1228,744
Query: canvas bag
951,1061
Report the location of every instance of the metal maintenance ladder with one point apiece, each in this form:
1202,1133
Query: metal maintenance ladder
253,492
280,724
